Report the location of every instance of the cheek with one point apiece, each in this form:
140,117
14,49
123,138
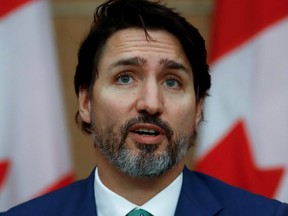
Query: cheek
110,108
183,115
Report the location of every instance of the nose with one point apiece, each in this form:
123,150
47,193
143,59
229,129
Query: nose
150,99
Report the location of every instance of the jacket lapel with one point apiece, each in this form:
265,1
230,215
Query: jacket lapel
195,197
84,198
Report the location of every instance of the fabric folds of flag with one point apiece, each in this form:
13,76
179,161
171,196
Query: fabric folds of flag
34,151
244,140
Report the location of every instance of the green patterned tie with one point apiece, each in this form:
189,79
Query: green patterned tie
138,212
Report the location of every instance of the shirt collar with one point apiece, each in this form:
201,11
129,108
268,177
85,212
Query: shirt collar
164,203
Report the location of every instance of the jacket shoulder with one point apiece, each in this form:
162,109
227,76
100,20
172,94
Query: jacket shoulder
233,199
70,200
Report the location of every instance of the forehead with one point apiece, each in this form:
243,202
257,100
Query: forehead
133,42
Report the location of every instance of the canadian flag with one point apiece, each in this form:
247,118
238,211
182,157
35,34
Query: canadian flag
244,140
34,151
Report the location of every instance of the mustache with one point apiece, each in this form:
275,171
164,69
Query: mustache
150,120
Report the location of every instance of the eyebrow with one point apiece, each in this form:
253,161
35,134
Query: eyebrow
134,61
171,64
138,61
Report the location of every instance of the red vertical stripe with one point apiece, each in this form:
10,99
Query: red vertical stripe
6,6
235,21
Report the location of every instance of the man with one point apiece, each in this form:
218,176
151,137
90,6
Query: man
141,81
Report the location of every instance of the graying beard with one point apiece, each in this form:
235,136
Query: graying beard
146,163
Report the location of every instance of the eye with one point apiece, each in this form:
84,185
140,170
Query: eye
124,79
172,83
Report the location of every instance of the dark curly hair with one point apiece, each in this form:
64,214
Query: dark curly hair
115,15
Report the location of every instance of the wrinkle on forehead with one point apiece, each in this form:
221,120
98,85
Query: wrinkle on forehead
135,38
130,47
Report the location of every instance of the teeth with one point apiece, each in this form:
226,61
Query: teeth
145,130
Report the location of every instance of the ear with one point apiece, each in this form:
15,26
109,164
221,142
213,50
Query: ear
84,105
199,112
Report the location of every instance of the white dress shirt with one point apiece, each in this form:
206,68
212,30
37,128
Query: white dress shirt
109,203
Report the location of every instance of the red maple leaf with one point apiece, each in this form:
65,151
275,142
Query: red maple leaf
4,168
231,161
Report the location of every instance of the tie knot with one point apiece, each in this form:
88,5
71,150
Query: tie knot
138,212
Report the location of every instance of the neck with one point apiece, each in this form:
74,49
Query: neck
137,190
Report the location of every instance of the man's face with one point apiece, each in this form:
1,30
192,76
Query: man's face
144,109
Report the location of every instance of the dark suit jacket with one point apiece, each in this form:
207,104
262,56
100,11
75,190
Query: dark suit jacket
200,195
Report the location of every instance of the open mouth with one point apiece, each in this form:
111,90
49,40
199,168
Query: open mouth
147,129
146,132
